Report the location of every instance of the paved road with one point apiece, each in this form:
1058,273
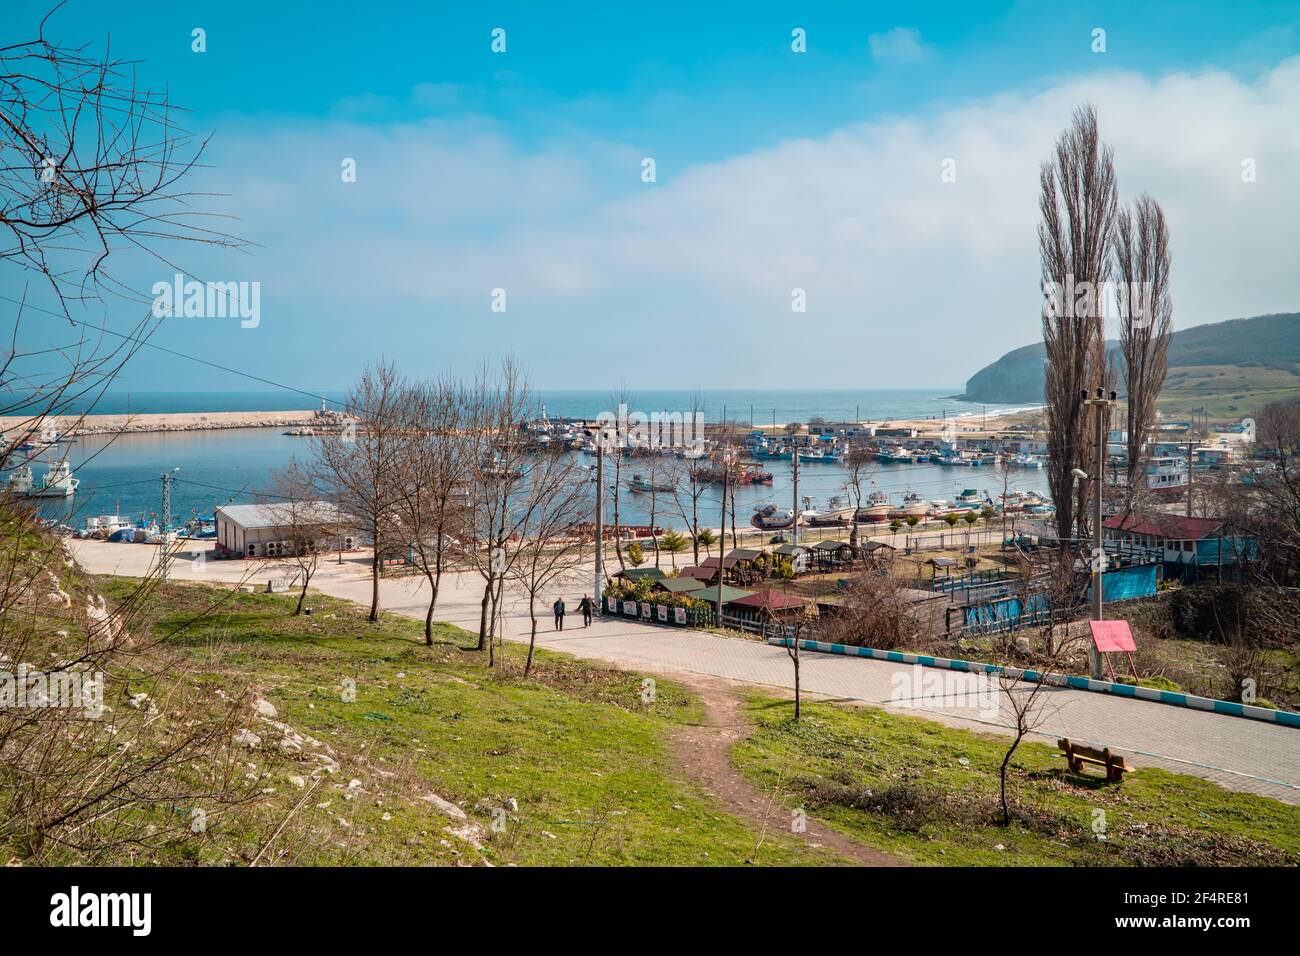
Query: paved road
1238,753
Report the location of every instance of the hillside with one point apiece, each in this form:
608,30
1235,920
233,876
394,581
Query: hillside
1230,367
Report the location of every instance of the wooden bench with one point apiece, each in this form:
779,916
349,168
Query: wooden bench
1076,755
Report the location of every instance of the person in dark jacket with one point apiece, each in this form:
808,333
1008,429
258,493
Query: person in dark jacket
558,607
585,607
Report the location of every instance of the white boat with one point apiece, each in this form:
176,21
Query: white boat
1167,476
838,511
104,525
21,481
57,482
876,509
970,498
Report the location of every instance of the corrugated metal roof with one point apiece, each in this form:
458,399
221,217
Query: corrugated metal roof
680,585
636,574
282,515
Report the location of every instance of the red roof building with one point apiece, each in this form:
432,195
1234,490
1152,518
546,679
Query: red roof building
1167,527
770,601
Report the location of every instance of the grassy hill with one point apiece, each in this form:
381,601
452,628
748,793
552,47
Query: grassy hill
1229,368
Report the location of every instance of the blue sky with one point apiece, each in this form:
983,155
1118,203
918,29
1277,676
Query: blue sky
775,171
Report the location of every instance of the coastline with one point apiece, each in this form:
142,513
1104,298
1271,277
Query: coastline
12,426
78,425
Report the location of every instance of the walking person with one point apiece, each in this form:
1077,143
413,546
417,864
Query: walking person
558,607
585,607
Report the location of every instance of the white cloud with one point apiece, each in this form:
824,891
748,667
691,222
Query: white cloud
899,45
910,280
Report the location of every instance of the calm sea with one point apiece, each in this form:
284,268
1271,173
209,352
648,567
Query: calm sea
755,405
121,474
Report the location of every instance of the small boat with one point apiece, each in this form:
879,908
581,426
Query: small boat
642,484
897,455
1027,461
953,459
819,456
771,518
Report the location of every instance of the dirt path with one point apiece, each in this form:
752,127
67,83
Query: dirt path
704,752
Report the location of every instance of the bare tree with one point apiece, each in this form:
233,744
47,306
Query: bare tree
860,465
307,526
1146,321
1028,703
1075,236
437,459
501,403
90,163
552,506
359,466
688,489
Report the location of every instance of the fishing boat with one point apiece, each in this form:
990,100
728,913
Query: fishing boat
953,459
642,484
1027,461
57,482
970,498
769,517
913,506
876,509
898,455
102,526
198,528
1167,477
837,512
21,481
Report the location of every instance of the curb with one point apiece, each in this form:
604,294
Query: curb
1177,699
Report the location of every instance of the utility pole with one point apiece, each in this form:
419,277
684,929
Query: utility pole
722,529
794,461
1189,478
1101,406
164,561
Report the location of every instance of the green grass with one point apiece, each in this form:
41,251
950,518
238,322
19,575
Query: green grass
586,760
1228,392
899,783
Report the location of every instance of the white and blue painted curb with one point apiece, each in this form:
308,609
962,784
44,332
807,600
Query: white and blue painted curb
1177,699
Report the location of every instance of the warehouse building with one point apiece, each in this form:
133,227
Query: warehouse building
269,531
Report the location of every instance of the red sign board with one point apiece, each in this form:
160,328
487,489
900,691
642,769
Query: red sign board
1112,636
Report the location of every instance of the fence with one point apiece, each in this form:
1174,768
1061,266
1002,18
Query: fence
653,613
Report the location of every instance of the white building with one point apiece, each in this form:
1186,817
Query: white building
267,531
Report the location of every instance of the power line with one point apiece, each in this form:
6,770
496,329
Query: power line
161,348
